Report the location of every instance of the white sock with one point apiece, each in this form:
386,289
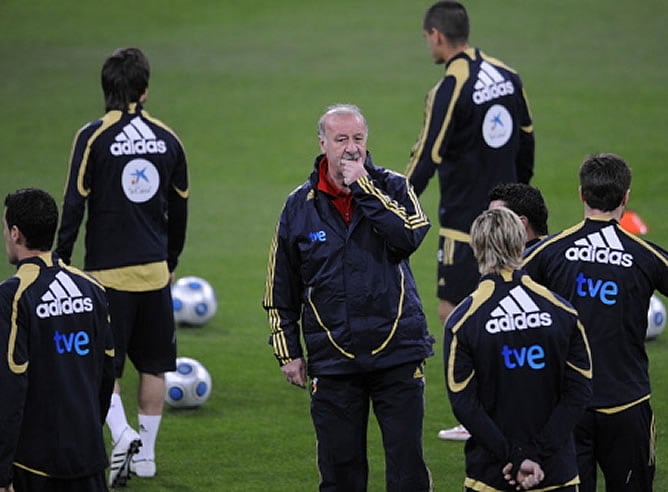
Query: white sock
148,432
116,419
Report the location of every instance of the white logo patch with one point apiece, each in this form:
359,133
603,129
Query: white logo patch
140,180
517,311
491,84
137,138
497,126
600,247
63,298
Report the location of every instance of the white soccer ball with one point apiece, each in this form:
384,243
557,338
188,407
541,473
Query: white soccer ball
194,301
189,386
656,317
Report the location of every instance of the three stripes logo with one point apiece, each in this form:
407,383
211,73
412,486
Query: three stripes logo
602,247
490,84
63,298
137,138
517,311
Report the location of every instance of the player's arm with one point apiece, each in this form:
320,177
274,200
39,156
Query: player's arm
393,208
77,188
13,377
108,373
661,270
462,386
282,296
525,156
427,152
178,210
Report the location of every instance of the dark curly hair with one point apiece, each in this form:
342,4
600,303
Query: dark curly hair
525,200
35,213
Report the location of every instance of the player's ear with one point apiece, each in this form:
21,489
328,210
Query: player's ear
580,194
16,235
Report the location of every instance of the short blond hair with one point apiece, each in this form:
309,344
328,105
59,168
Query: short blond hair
498,238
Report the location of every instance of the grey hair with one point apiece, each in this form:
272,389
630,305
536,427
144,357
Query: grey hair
498,238
340,108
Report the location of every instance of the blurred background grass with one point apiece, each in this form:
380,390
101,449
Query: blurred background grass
243,85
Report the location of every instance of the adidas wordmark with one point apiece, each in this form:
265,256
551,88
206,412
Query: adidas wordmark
63,298
600,247
491,84
517,311
137,138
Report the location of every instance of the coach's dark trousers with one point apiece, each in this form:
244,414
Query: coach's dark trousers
340,411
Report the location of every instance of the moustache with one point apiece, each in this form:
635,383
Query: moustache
350,156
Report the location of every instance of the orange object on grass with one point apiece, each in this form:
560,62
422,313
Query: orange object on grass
632,223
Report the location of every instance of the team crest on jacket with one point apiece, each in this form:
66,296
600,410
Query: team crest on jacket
497,126
140,180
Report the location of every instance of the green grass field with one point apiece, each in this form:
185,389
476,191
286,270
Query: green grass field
243,84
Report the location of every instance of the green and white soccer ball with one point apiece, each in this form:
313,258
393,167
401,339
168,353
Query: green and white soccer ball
656,317
189,386
194,301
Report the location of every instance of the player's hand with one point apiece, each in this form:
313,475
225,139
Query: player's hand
528,475
295,372
352,167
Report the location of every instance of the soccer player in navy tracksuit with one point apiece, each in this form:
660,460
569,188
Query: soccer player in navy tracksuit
609,276
129,171
477,133
518,369
338,277
56,369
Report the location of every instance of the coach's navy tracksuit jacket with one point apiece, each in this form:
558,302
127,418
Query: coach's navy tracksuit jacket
348,289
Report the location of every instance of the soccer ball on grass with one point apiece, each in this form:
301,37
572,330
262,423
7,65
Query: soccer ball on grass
194,301
189,386
656,317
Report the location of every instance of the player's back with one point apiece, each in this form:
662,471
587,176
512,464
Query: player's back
521,337
479,144
609,276
132,165
61,334
519,354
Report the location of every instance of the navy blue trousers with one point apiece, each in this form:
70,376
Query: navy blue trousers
25,481
623,444
340,411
